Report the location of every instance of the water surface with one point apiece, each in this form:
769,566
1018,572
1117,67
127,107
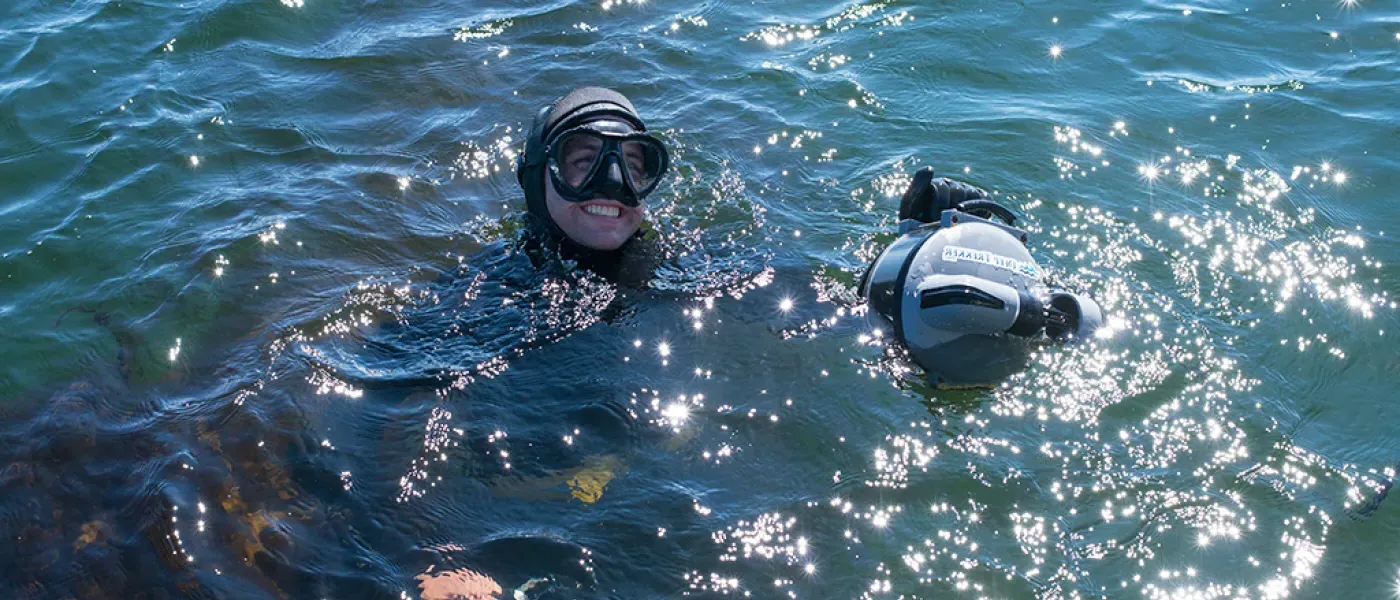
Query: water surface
264,337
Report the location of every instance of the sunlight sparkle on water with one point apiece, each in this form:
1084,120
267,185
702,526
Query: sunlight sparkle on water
1150,172
785,305
676,413
1056,50
880,520
664,349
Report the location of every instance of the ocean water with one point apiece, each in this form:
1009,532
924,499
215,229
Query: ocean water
263,336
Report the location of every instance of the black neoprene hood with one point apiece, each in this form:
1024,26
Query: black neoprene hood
578,106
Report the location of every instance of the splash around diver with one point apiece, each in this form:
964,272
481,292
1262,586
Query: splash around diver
961,292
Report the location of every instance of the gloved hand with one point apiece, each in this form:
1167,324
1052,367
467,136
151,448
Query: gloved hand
927,197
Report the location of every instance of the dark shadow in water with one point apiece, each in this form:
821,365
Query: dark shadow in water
219,482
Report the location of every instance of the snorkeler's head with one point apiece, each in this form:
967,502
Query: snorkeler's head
588,166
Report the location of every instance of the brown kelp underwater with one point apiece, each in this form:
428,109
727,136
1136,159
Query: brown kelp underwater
94,486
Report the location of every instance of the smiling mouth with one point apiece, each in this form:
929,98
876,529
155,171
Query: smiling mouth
602,210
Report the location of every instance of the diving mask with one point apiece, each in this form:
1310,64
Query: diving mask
606,159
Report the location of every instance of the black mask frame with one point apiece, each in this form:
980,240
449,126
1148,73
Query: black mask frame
607,178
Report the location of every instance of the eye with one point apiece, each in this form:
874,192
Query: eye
581,155
579,148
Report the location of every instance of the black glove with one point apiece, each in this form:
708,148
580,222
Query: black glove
927,197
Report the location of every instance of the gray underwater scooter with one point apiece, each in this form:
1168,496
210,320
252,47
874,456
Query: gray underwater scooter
962,293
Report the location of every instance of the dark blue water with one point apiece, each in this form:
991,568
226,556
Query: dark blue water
264,335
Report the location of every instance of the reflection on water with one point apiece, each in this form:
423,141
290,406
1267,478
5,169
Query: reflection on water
269,252
1135,464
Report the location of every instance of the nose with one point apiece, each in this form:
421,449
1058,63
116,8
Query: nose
615,187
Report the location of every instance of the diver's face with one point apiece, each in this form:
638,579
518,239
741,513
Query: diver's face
598,223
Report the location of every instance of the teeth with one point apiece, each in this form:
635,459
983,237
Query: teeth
602,211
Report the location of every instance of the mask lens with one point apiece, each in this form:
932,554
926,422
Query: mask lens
645,160
577,156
